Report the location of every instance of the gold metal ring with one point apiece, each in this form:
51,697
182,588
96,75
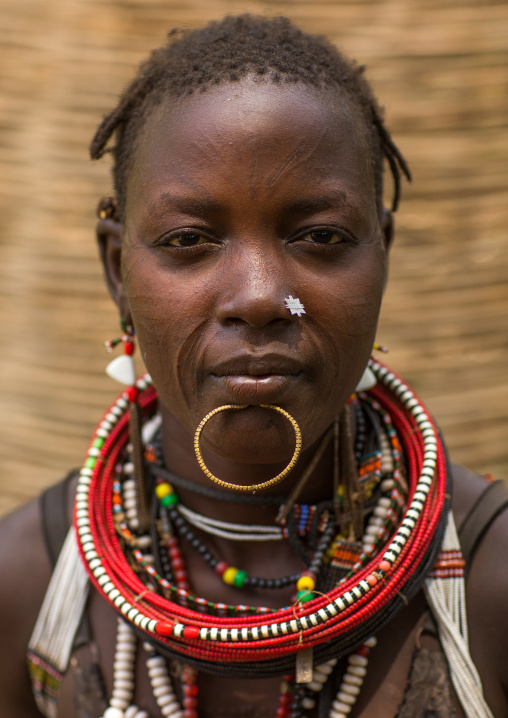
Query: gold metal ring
263,484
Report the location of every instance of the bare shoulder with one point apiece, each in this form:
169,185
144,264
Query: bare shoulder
25,571
486,593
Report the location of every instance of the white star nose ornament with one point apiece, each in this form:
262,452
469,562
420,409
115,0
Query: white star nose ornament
294,305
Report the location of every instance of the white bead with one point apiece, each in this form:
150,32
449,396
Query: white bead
122,694
113,712
341,707
348,688
144,541
371,642
319,676
129,504
308,703
155,660
125,633
357,671
325,668
315,686
355,660
122,665
157,671
164,700
123,675
122,370
119,703
142,714
346,698
335,714
161,690
124,685
131,712
352,680
157,681
171,709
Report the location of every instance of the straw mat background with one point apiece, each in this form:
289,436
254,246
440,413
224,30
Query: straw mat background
441,69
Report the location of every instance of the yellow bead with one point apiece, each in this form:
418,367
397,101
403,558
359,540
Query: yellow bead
229,575
163,490
305,583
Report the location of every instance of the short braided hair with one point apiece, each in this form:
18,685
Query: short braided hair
226,51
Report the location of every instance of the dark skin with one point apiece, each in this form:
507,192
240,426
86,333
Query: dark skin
209,250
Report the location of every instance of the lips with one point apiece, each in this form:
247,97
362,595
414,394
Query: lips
257,379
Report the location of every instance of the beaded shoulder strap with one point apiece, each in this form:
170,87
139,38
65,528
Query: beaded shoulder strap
53,637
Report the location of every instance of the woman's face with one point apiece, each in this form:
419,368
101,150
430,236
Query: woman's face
240,197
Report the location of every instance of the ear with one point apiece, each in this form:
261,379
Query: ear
387,226
109,239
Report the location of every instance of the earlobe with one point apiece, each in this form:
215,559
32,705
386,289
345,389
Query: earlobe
109,239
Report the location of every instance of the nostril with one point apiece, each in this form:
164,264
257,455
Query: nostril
257,310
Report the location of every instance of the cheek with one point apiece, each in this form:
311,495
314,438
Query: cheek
167,316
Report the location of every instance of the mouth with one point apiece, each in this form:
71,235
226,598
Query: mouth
257,380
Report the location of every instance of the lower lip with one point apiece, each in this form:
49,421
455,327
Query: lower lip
249,389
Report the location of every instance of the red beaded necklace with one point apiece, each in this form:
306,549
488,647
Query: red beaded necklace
352,611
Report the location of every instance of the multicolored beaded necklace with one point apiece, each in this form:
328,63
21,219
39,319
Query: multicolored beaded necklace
403,535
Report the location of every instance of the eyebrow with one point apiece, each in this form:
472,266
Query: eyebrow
308,205
187,205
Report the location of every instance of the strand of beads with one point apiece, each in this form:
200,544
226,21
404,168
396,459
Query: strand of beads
352,681
160,682
232,575
124,675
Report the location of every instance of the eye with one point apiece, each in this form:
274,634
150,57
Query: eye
323,236
186,239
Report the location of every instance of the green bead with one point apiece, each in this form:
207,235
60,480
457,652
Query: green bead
304,595
169,500
90,462
240,579
98,443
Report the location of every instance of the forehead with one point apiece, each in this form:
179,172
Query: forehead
274,131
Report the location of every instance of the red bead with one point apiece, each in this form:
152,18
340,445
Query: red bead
191,632
190,702
164,628
177,563
385,565
128,347
221,567
190,690
132,393
174,553
191,713
181,575
371,580
363,651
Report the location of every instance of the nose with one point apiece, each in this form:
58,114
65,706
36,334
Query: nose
254,292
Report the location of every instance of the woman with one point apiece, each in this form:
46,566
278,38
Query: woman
247,251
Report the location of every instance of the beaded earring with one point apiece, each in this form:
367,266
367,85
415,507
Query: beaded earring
122,369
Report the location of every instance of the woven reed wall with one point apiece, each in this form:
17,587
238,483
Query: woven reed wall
441,69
